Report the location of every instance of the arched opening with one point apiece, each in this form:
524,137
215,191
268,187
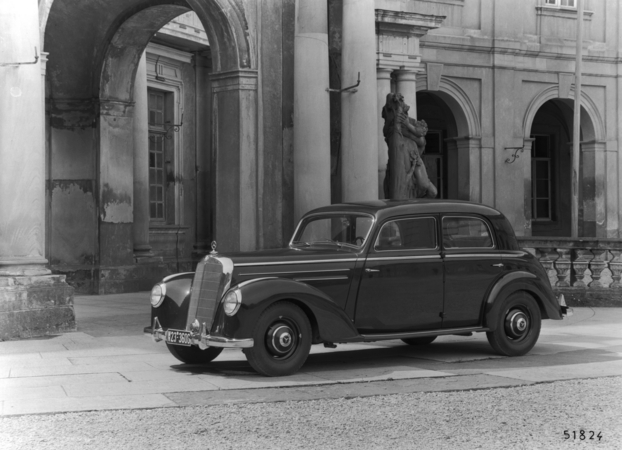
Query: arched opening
453,144
551,165
441,128
92,122
548,133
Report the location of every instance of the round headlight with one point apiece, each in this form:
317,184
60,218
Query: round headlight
157,295
232,301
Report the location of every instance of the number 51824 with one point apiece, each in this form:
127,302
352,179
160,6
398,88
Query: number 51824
583,435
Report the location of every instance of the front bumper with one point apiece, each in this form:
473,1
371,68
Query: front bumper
566,310
202,338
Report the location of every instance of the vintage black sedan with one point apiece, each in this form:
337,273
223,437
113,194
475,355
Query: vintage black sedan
361,272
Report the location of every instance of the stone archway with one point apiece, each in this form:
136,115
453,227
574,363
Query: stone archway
593,208
90,128
463,142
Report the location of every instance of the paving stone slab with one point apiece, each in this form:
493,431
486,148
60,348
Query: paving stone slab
69,404
130,388
72,370
17,393
59,380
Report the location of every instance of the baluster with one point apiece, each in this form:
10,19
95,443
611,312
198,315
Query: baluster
615,265
544,256
597,265
562,267
579,265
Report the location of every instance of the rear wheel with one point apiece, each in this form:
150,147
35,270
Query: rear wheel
420,340
518,326
282,338
193,354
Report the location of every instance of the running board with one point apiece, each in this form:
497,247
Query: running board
413,334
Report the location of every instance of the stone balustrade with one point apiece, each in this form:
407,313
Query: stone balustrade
586,270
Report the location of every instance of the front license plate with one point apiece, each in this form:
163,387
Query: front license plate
178,337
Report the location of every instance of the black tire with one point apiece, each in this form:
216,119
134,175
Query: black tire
419,340
193,354
518,326
282,338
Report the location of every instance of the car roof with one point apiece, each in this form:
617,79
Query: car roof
383,209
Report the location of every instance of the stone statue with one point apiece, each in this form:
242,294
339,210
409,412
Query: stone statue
406,174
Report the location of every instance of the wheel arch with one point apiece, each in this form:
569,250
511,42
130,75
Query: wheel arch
512,283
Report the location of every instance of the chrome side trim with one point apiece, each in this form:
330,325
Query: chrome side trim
292,272
513,255
387,336
387,258
320,278
474,255
287,263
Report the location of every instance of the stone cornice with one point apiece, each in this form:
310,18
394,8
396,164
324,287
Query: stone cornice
406,23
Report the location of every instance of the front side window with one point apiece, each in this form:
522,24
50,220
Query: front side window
466,232
418,233
339,229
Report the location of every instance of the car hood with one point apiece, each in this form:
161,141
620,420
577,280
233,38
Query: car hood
291,255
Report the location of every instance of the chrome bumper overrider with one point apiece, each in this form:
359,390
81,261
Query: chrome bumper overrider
202,339
566,311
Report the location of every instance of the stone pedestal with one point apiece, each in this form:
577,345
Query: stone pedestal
35,306
32,301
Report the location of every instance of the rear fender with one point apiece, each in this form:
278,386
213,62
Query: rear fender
333,325
520,281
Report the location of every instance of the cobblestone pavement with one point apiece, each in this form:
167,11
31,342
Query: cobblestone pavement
557,415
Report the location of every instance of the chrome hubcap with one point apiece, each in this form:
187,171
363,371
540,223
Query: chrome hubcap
282,338
516,324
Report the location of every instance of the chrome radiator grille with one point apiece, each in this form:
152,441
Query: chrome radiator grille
207,288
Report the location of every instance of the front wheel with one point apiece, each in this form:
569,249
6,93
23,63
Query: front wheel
282,338
194,355
518,326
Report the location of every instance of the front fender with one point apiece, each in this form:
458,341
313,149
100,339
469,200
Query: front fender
520,281
173,312
331,322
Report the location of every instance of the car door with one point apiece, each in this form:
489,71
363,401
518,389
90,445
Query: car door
472,263
401,286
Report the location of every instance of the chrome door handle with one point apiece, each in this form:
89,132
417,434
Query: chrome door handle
497,265
372,270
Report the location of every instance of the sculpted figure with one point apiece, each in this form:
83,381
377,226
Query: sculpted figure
406,174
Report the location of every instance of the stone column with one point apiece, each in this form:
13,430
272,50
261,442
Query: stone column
32,301
142,249
359,127
22,149
407,86
383,83
311,108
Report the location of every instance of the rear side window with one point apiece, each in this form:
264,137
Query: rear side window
466,232
417,233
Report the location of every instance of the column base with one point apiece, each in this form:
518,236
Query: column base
33,306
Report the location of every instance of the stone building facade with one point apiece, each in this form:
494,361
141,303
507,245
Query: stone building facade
126,148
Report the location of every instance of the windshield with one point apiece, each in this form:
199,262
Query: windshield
334,229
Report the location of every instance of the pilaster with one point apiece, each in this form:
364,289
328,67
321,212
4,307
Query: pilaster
32,301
